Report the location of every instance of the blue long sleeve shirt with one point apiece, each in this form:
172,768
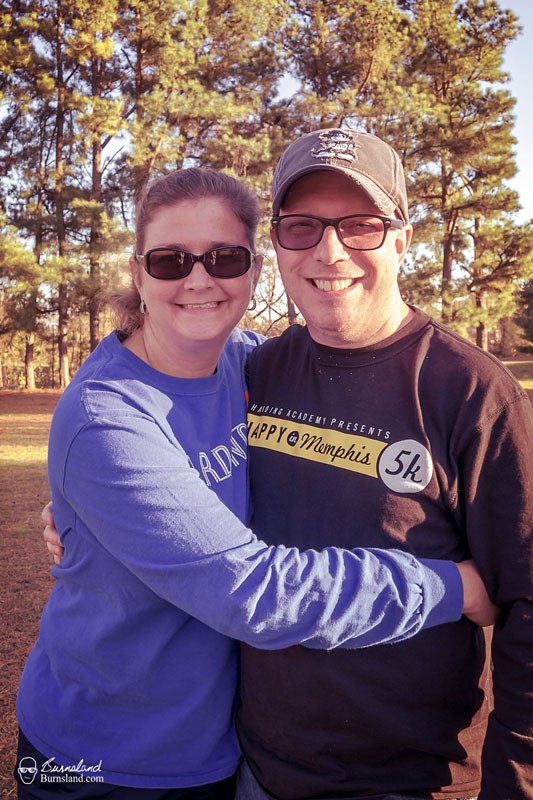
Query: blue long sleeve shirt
135,667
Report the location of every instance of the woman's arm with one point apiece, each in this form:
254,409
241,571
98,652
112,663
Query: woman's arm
128,489
477,605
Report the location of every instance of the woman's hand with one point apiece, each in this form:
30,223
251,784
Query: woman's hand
50,535
477,605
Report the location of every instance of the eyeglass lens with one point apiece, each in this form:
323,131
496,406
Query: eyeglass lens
297,232
168,264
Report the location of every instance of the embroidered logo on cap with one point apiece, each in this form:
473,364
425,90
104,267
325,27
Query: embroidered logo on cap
337,144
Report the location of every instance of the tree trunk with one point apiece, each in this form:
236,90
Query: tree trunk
29,365
482,336
62,331
508,338
450,218
291,309
482,333
94,242
62,323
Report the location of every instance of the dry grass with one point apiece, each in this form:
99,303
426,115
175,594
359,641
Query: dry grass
523,371
24,570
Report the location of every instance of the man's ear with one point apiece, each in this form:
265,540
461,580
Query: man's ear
403,241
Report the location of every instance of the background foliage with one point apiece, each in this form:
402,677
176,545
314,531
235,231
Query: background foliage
95,97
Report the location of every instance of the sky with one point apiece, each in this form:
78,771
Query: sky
519,64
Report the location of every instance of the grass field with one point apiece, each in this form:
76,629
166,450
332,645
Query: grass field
24,570
523,371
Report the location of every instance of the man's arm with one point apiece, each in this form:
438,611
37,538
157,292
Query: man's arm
498,477
50,535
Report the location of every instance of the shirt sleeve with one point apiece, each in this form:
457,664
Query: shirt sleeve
137,497
499,522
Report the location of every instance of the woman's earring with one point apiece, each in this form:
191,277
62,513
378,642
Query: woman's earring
142,306
253,304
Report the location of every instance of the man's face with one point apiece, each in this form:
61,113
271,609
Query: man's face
349,298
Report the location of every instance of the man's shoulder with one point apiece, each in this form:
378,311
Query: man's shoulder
463,356
277,347
467,380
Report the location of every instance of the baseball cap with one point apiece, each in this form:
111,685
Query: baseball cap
365,158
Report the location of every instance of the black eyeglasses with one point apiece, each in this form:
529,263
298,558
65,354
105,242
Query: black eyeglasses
356,231
173,263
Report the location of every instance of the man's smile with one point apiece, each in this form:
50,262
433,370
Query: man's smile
337,285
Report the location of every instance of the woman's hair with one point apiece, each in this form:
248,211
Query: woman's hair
183,184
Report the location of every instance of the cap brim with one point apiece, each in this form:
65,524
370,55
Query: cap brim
381,200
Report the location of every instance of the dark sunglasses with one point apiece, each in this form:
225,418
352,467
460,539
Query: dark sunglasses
356,231
173,263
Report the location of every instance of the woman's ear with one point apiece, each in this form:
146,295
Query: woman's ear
136,273
257,267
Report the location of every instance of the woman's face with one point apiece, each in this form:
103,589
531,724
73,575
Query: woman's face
193,316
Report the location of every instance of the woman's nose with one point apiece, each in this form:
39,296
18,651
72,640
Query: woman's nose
198,277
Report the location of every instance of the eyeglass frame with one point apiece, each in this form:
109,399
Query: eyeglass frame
145,258
334,222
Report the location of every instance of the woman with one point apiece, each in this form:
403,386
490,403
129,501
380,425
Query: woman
133,677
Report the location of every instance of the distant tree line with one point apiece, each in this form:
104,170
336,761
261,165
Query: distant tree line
94,97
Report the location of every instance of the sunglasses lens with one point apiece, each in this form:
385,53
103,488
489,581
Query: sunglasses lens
359,232
228,262
220,262
168,265
362,233
299,233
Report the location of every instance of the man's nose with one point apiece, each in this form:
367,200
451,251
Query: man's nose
330,249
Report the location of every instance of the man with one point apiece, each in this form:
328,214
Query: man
377,419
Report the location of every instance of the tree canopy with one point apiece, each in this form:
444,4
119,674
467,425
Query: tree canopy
94,98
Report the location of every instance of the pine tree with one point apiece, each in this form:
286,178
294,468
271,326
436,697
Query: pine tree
92,46
525,314
20,293
95,97
198,84
461,151
341,53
